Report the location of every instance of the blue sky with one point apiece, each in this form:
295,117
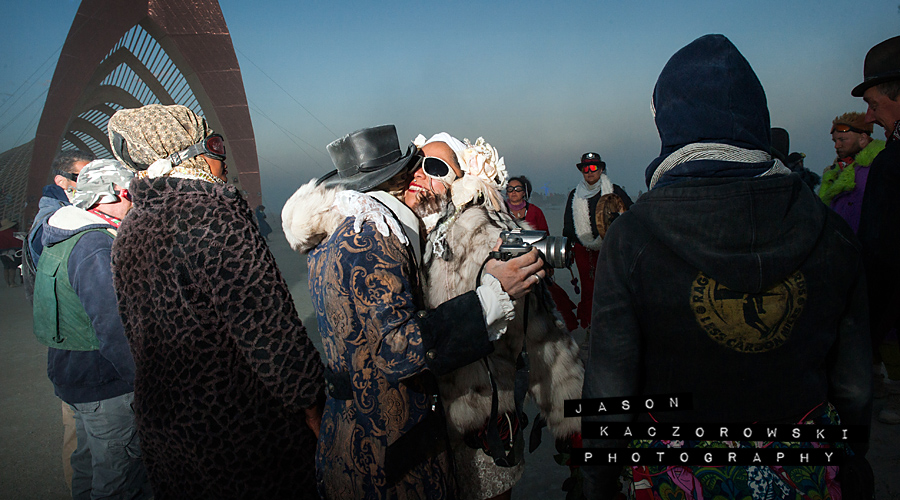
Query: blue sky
543,82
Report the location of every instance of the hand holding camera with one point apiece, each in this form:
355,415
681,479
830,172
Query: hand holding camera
556,251
517,275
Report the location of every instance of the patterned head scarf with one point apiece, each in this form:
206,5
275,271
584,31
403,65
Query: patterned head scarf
154,132
97,181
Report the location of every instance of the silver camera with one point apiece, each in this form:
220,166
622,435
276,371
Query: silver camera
555,250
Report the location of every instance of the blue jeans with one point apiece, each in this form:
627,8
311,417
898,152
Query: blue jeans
107,462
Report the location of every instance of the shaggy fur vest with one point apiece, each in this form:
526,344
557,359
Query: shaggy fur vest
555,374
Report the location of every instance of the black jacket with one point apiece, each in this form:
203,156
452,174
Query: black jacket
878,231
747,293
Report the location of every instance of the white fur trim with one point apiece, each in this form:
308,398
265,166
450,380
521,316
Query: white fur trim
581,215
308,217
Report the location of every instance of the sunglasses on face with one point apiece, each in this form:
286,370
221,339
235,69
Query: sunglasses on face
589,168
124,194
68,175
841,127
515,189
437,168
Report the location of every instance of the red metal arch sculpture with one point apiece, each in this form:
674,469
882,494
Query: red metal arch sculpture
196,39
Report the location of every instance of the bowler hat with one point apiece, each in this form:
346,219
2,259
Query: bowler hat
882,65
367,158
591,159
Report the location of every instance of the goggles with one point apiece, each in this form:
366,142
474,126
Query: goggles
213,146
843,127
438,169
515,189
590,167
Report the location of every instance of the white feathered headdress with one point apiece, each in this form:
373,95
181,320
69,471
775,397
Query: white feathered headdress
485,175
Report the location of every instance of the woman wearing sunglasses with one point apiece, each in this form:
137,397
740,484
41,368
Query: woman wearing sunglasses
518,191
227,383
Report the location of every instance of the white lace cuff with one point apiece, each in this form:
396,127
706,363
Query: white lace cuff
365,208
497,306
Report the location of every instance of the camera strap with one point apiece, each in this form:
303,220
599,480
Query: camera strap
495,445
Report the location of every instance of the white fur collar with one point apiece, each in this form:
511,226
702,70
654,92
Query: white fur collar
314,212
581,215
309,216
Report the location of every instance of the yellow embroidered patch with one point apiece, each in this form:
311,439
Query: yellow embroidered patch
745,322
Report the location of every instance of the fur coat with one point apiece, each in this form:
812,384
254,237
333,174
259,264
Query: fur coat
555,374
224,366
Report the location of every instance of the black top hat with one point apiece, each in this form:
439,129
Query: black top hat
591,159
882,65
367,158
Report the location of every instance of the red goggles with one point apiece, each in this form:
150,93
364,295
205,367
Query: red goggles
590,167
843,127
214,146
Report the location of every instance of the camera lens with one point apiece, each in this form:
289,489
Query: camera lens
556,250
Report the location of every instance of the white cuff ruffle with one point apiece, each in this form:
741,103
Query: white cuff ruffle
497,306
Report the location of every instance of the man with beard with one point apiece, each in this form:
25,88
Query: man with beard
383,431
580,224
460,184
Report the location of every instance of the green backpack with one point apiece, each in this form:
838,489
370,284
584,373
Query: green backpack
59,318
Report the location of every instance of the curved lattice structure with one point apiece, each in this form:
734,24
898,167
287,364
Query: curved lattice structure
126,54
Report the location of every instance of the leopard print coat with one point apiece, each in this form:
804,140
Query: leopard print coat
224,366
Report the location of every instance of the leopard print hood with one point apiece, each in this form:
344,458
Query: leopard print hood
309,216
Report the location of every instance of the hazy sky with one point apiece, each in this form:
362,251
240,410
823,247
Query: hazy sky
543,82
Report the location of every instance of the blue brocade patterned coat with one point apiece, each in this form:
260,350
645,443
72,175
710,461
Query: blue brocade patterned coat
385,437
